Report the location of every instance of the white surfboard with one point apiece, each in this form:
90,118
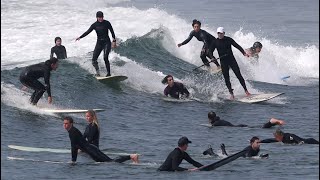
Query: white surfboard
61,111
206,125
169,99
37,149
253,98
109,79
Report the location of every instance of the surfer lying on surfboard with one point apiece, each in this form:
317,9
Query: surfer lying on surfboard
174,89
288,138
215,120
79,142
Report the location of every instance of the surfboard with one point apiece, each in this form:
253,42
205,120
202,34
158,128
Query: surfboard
222,162
52,150
206,125
110,79
169,99
253,98
61,111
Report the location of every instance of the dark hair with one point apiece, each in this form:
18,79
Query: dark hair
196,22
68,118
211,115
257,45
52,60
278,132
165,79
253,139
99,14
57,38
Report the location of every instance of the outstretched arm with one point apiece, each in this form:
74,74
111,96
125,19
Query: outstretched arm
187,40
86,33
236,45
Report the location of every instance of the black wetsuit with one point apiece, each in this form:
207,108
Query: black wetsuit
251,152
176,90
91,134
103,42
224,47
175,158
60,52
78,142
218,122
289,138
208,46
29,77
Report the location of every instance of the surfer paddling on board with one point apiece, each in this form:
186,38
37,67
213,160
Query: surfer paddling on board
288,138
176,156
223,45
208,40
174,89
254,51
102,27
215,120
59,50
92,132
79,142
29,78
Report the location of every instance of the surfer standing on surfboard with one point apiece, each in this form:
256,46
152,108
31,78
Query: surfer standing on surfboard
102,28
29,78
207,39
79,142
223,45
174,89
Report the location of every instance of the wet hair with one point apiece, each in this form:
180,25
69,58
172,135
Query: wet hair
278,132
212,115
165,79
93,114
196,22
52,60
68,118
257,45
253,139
99,14
56,39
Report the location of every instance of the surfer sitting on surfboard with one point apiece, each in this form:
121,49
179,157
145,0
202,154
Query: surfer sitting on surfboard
207,39
254,51
102,28
79,142
288,138
215,120
92,132
29,78
174,89
223,45
175,158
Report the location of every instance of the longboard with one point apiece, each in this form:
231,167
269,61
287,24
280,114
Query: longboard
222,162
253,98
61,111
110,79
169,99
51,150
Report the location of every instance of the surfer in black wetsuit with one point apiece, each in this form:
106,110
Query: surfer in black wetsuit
92,132
30,75
59,50
175,158
288,138
215,120
207,39
223,45
254,50
175,89
102,27
79,142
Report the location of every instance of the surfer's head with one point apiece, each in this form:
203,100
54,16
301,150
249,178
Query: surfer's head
211,116
91,117
196,25
278,135
255,142
53,63
220,32
183,143
167,80
67,122
57,41
257,46
99,16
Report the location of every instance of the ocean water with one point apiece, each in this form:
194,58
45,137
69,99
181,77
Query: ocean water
136,119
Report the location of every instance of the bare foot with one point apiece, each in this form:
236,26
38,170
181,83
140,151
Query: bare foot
247,93
135,158
231,97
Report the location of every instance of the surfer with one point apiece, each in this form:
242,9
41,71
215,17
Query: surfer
208,40
215,120
223,45
288,138
59,50
92,132
254,51
102,27
79,142
29,78
176,156
174,89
